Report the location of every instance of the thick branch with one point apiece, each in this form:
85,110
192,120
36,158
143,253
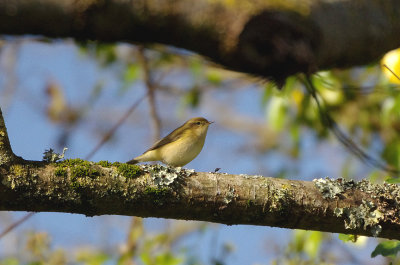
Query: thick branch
76,186
249,36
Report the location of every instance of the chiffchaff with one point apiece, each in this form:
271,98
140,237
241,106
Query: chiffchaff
180,146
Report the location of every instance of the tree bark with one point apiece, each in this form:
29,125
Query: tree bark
78,186
256,37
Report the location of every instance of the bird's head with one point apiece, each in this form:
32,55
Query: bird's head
198,125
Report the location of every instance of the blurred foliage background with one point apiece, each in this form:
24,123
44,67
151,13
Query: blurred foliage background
75,102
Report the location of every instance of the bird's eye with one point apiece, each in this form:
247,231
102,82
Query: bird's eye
198,123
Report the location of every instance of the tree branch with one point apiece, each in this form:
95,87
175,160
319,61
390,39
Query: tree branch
78,186
253,37
6,154
151,87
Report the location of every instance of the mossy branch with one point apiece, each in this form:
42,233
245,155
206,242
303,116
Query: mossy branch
78,186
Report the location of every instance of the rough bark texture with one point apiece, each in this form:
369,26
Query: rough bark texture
76,186
255,37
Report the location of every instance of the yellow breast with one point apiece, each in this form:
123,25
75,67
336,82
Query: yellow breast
182,151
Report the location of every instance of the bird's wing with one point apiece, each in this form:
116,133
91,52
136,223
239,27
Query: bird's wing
172,137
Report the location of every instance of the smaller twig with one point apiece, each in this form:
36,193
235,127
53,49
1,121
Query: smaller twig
132,242
151,87
17,223
390,70
331,125
108,135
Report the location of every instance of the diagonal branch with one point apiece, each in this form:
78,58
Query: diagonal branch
6,154
151,87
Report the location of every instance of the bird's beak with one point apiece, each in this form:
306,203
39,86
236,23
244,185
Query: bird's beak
210,122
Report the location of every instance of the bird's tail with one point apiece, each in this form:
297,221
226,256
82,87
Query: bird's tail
133,161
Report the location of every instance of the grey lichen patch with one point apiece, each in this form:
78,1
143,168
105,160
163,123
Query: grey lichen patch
367,186
365,216
250,176
166,175
52,157
381,203
330,188
281,198
387,191
230,195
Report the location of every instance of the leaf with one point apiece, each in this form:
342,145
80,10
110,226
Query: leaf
214,77
168,259
196,68
347,238
268,92
308,242
313,243
192,98
131,73
276,113
88,257
393,180
386,249
391,153
10,261
106,53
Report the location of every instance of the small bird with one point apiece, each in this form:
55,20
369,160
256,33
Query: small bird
180,146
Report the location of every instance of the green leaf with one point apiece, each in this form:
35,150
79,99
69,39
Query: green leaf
192,98
168,259
386,249
391,153
214,77
347,238
308,242
92,258
196,68
131,73
106,53
392,180
145,257
268,92
313,243
388,107
10,261
276,113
